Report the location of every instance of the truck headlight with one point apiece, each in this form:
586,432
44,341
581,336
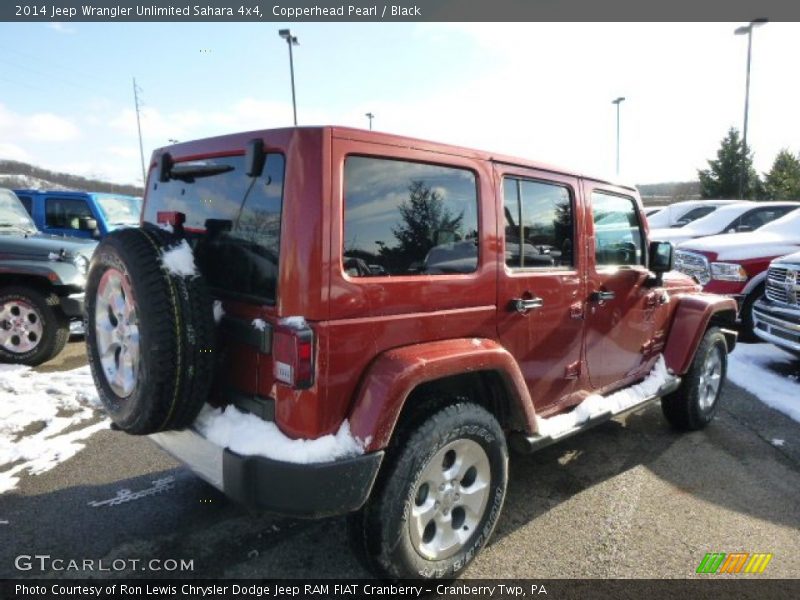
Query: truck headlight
722,271
82,264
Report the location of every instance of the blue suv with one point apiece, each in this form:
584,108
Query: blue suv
80,214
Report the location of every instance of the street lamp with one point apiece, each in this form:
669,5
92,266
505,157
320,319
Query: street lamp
746,29
618,101
291,41
370,116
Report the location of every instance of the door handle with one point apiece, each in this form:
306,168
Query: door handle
602,296
523,305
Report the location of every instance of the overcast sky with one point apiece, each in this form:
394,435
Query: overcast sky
537,90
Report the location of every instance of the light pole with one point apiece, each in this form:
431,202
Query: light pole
746,29
370,116
291,41
618,101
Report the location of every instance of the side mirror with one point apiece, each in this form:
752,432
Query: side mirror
87,224
661,259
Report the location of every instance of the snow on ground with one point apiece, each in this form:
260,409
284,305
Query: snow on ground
179,260
44,417
770,373
596,405
249,435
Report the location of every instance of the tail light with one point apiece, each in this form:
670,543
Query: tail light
293,356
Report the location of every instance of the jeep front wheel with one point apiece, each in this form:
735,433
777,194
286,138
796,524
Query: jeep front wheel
32,329
693,405
438,501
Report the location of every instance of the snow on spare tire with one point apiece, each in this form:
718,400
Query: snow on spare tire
150,330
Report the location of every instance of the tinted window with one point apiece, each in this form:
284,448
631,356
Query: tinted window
696,213
66,213
404,218
538,224
233,223
27,203
761,216
618,235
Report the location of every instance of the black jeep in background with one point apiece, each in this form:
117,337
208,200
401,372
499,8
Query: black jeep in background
42,279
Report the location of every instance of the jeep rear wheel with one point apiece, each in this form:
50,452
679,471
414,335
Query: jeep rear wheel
438,500
32,328
149,334
693,405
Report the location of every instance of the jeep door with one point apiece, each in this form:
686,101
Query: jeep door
540,287
624,319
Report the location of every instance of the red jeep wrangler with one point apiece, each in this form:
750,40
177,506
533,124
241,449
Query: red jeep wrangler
324,320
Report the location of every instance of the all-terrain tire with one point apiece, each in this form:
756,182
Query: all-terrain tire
175,325
693,405
47,328
445,445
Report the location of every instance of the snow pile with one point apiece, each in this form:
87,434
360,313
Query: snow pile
249,435
43,419
259,324
749,368
219,312
179,260
596,405
297,323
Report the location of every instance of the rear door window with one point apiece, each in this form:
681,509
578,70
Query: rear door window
539,226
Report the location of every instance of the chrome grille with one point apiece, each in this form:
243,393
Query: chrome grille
782,284
693,264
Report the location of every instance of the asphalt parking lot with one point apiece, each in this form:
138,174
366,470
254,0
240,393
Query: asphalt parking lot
630,498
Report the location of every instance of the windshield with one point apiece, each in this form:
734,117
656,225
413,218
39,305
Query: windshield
120,210
12,214
232,222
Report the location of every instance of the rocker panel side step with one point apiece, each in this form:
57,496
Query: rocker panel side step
527,444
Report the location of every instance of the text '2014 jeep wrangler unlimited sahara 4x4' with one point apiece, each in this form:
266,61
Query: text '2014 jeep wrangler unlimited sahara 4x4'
324,321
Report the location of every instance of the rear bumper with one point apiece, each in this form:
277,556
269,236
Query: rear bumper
72,305
777,325
301,490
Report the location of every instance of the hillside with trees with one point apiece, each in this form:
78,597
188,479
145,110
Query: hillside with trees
14,174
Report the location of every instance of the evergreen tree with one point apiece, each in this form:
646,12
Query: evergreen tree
424,215
723,177
783,180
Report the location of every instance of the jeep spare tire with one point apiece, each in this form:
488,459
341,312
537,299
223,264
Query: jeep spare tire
150,330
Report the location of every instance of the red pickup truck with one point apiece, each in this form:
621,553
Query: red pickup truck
326,320
736,264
